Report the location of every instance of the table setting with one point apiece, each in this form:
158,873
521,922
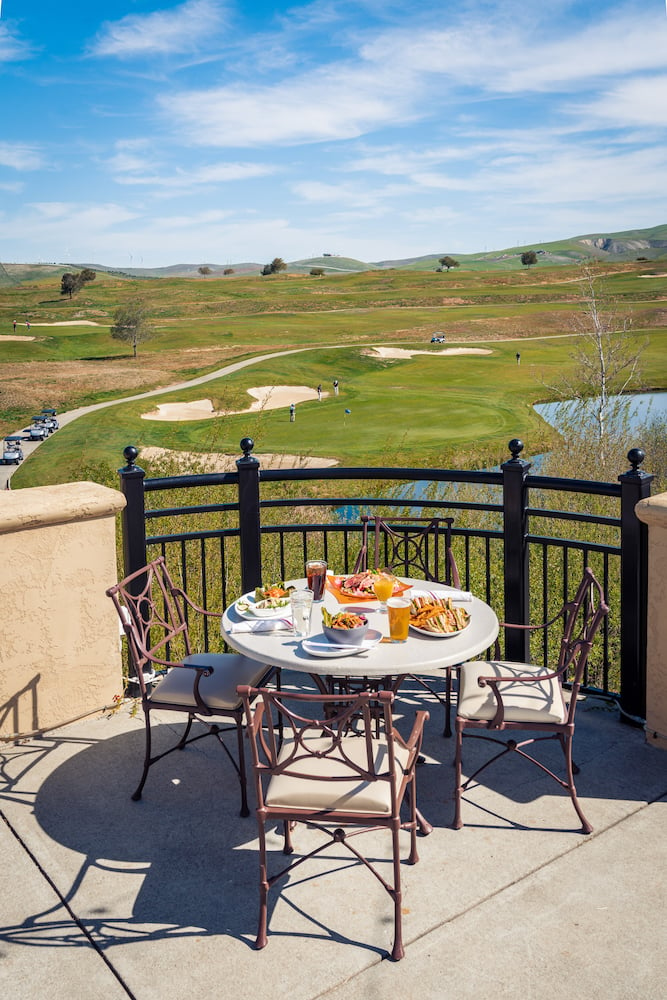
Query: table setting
324,623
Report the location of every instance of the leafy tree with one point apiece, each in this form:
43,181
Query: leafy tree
528,257
204,270
448,262
130,324
276,265
70,283
317,272
228,270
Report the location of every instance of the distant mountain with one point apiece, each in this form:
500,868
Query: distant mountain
643,244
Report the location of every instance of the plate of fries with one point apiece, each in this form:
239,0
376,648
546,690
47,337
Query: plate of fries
437,617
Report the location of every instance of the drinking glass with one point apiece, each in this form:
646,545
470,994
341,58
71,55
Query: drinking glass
398,609
301,606
316,574
383,586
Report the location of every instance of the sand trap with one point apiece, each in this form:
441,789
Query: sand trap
71,322
267,397
403,352
18,338
227,463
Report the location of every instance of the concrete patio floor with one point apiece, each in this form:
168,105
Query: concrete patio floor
102,897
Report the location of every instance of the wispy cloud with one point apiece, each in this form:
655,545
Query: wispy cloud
12,47
20,156
177,30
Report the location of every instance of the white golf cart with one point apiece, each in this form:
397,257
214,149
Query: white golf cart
12,452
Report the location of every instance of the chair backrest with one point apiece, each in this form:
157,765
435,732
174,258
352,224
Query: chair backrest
153,618
411,546
338,744
583,616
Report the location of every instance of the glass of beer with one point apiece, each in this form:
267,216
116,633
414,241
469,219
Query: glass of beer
316,575
398,609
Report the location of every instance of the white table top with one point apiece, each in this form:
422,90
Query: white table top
423,655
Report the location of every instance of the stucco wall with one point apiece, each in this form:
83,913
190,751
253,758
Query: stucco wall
59,648
653,512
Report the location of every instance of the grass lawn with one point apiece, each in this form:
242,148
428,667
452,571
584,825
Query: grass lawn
421,411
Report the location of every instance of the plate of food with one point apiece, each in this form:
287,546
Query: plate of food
437,617
359,586
265,602
319,645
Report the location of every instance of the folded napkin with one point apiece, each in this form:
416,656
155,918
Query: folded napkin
462,596
262,625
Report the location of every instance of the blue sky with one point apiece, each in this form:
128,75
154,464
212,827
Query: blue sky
147,133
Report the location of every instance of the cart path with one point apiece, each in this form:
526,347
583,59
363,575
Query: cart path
68,416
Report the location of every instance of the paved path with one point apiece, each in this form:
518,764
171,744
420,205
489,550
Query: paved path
6,471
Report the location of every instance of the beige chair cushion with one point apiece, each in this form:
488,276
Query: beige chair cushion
288,792
218,690
538,702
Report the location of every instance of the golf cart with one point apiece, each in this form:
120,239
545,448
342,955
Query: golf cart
12,452
49,419
38,430
438,338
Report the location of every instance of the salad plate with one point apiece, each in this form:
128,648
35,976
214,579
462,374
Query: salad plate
319,645
271,607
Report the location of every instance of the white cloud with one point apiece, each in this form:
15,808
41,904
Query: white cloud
180,29
638,102
185,178
20,156
12,47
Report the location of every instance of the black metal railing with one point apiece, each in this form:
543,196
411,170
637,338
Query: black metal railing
248,525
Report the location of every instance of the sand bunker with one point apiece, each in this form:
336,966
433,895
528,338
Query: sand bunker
227,463
404,352
267,397
17,338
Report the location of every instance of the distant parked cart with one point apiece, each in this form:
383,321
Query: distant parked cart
49,418
12,452
38,429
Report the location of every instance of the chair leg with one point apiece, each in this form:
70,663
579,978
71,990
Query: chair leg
566,743
243,777
398,950
261,939
458,789
136,795
184,737
447,732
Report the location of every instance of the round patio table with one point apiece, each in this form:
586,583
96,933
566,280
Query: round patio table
421,655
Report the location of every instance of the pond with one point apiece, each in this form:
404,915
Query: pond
640,407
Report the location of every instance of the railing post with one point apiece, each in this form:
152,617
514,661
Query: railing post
250,534
635,486
515,531
134,515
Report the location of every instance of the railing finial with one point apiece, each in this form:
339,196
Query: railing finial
247,444
635,457
516,447
130,454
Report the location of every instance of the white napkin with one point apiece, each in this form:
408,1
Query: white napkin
462,596
261,625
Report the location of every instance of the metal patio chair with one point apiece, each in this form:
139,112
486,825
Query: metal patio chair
419,547
497,696
202,686
335,774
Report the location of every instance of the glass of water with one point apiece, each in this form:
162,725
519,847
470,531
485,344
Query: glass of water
301,604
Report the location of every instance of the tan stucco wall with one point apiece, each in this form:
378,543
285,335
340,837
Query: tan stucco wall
59,647
653,512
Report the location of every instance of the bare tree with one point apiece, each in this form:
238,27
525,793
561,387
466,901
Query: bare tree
606,360
130,324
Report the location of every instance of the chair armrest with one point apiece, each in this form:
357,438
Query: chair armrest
177,592
414,740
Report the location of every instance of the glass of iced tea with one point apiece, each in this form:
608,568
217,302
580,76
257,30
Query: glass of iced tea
316,575
398,609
